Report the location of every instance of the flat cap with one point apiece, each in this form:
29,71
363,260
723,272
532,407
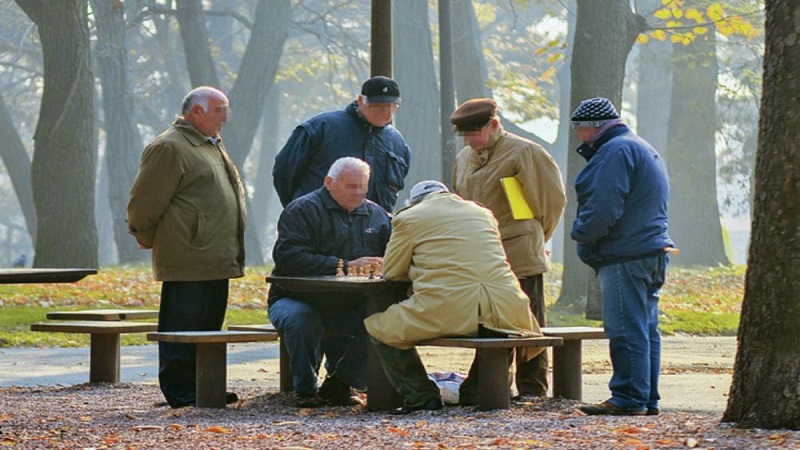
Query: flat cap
381,89
473,114
424,188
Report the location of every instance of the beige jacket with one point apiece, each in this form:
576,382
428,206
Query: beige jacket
450,250
187,204
476,176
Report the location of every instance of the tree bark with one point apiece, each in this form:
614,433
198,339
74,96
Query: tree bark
418,118
604,34
123,142
694,222
18,165
654,88
199,60
64,161
764,392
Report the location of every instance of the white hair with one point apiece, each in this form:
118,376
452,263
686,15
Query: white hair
200,96
348,163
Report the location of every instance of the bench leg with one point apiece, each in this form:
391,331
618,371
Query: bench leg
567,370
285,363
104,358
493,378
211,375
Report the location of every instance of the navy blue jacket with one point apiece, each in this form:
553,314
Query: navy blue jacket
301,165
622,193
314,232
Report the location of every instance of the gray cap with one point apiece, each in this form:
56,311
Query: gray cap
426,187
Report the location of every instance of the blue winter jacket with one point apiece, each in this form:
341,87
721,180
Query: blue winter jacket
314,232
622,194
301,166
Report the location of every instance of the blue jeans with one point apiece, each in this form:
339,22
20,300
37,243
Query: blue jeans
630,318
303,327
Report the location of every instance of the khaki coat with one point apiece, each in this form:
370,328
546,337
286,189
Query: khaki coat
476,176
187,204
450,249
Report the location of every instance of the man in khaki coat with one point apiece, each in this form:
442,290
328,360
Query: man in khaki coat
449,248
187,205
492,154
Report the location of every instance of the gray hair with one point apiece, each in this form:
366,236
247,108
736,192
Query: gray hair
200,96
348,163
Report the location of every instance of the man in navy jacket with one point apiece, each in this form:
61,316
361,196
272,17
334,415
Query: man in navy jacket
621,232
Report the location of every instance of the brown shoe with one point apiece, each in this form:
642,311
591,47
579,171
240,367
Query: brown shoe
608,409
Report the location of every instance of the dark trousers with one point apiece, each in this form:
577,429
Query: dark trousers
407,374
186,306
531,376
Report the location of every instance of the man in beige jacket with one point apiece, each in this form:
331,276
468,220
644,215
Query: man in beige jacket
187,205
449,248
490,155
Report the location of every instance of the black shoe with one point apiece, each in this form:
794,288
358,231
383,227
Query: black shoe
309,401
231,397
433,404
337,393
653,412
608,409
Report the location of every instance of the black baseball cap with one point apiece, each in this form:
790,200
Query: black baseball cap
381,89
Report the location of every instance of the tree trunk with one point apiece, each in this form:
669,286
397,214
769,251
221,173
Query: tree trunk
199,61
764,392
265,199
18,166
604,34
653,88
63,168
418,118
694,219
123,142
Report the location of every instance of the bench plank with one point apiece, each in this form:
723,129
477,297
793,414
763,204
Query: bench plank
212,368
104,347
465,342
104,314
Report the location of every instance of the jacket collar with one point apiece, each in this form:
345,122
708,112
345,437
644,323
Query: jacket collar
330,203
352,109
192,134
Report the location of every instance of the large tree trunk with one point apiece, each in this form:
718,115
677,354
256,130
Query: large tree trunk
694,219
266,206
123,142
64,161
18,166
653,88
604,34
764,392
195,43
418,119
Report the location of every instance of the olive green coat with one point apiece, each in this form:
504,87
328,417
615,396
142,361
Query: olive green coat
450,250
187,204
476,176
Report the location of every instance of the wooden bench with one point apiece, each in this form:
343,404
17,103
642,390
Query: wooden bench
104,314
105,343
567,359
493,363
284,364
212,366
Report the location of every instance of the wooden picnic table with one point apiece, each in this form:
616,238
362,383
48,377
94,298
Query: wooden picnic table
108,315
379,295
20,276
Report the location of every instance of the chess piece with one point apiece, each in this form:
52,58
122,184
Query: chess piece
362,271
340,268
378,268
351,271
371,272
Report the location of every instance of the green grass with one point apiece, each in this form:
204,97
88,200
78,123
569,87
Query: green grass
694,301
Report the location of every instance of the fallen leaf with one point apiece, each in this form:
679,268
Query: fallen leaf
398,431
217,429
175,426
146,427
692,442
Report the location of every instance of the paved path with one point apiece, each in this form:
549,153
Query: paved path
695,376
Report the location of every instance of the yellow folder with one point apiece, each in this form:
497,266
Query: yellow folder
516,200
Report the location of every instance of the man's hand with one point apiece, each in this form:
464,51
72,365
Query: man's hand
366,261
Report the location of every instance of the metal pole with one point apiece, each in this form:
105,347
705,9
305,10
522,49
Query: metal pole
381,38
447,91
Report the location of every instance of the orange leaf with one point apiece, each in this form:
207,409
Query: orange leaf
217,429
398,431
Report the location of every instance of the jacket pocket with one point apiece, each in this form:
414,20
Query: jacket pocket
201,230
396,169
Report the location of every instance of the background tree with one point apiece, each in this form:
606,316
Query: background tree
764,391
63,166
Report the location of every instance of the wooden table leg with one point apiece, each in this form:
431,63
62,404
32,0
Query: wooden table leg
104,358
285,376
211,374
493,367
567,370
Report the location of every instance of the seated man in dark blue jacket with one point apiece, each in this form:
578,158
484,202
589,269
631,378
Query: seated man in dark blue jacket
335,222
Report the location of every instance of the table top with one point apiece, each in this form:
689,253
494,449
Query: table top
13,276
334,283
104,314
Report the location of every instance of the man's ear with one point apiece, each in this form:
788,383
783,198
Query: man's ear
328,182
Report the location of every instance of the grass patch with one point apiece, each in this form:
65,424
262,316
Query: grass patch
698,301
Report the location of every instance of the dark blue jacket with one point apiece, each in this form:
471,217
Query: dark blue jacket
314,232
301,166
622,193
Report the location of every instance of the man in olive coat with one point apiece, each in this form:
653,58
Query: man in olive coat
492,154
187,205
450,249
